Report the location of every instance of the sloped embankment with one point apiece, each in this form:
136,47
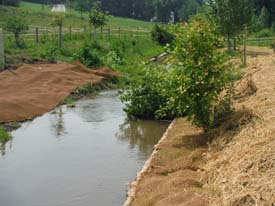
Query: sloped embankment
31,90
240,169
233,165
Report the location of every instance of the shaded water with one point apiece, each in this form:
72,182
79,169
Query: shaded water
82,156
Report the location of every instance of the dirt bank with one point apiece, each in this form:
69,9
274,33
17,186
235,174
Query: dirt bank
235,168
30,90
173,176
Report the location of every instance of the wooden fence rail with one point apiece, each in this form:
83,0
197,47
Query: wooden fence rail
34,32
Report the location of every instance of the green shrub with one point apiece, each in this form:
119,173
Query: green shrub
51,52
90,54
4,135
161,35
112,60
143,98
190,86
119,47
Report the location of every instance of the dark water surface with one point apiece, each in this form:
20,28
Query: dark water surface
82,156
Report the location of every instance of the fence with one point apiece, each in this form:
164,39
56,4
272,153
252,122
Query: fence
56,35
263,41
35,32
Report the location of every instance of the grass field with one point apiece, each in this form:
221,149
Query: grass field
35,15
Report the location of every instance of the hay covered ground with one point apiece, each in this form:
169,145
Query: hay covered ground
233,165
30,90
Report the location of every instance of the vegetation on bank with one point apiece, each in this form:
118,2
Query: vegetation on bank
122,53
4,135
190,85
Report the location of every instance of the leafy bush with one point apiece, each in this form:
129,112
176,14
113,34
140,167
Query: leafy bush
190,87
50,52
90,54
118,46
143,98
161,35
112,60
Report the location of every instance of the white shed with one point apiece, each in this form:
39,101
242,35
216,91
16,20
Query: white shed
59,8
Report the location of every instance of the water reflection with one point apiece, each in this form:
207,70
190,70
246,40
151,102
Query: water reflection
100,153
4,145
141,135
57,121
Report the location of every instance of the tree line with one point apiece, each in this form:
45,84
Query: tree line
158,10
263,12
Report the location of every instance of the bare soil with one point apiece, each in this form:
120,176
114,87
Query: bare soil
30,90
232,165
175,171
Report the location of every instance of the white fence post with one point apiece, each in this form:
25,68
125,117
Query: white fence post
2,57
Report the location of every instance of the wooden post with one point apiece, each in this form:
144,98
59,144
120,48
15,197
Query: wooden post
60,36
101,30
70,31
235,44
109,31
119,32
2,57
94,33
228,43
36,35
244,51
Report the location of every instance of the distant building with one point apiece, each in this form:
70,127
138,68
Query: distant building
59,8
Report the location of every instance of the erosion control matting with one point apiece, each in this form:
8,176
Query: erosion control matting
32,90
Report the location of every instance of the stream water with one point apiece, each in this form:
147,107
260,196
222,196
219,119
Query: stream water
82,156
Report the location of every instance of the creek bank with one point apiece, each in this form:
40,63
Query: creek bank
230,165
32,90
173,172
226,166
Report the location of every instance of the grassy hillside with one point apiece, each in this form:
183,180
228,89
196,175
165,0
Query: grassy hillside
35,15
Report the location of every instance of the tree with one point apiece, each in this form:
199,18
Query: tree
11,2
264,17
147,9
16,25
233,16
191,86
97,18
161,35
188,8
83,6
